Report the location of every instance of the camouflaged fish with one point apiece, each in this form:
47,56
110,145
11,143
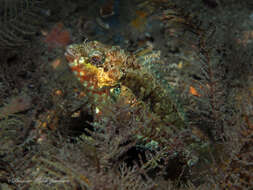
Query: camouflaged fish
100,68
96,66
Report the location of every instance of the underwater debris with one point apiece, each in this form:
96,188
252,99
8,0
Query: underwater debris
107,9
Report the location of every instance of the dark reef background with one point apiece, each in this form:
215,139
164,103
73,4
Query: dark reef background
179,115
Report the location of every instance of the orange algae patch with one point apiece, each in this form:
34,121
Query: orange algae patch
193,91
140,20
58,36
58,92
56,63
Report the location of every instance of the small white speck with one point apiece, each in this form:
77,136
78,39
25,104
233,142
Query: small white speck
85,84
75,63
81,60
72,64
97,110
96,97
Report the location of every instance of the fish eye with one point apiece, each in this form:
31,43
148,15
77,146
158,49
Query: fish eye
97,59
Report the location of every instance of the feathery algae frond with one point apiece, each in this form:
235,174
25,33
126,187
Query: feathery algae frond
19,20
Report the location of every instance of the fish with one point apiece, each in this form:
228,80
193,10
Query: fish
100,68
95,65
